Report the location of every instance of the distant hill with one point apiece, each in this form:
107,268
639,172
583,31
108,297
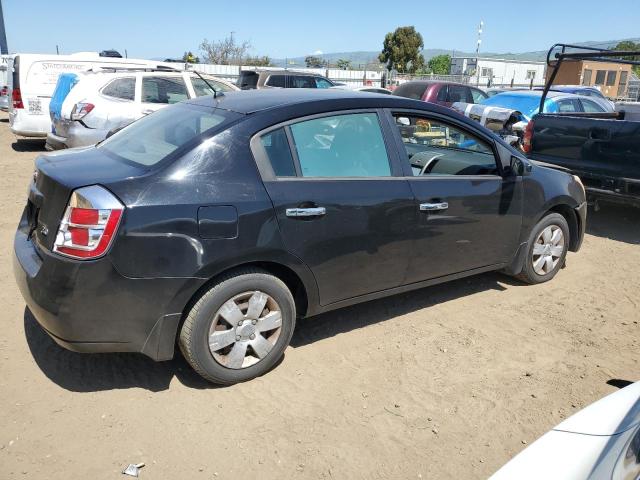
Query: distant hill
361,58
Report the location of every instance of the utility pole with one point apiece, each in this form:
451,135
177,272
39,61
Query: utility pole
478,52
4,49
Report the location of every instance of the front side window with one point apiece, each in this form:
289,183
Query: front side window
122,88
323,83
276,81
437,148
154,137
349,145
201,88
478,95
163,90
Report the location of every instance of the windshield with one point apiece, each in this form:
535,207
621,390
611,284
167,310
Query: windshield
525,104
156,136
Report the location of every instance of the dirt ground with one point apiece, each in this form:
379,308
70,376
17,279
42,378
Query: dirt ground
445,382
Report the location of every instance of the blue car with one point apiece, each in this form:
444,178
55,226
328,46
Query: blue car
528,103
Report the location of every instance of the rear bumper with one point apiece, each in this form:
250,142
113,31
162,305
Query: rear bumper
89,307
75,135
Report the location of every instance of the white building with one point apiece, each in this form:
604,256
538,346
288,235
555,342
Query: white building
499,71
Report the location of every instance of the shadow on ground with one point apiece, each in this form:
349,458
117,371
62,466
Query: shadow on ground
615,222
96,372
28,145
4,120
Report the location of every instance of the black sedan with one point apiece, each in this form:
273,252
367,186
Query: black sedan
215,223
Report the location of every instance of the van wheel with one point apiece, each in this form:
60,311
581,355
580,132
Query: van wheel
239,328
548,245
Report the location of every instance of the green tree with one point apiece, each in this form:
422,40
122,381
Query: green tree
343,64
189,57
440,64
628,46
314,62
257,61
401,50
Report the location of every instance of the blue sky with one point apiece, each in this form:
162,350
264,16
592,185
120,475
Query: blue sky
160,28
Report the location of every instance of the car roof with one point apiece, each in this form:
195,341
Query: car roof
535,93
427,83
281,72
251,101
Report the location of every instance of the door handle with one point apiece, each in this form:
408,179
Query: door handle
432,207
306,212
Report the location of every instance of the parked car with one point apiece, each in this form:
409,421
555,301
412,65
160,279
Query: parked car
84,112
4,98
33,79
602,149
602,441
496,90
252,79
219,221
4,81
583,90
363,88
528,103
441,93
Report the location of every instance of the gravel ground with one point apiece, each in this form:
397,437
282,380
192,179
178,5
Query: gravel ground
445,382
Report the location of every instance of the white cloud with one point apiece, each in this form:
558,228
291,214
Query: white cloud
318,52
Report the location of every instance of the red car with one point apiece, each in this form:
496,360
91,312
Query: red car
442,93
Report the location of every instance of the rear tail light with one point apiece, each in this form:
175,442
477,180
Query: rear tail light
89,223
80,110
16,98
527,139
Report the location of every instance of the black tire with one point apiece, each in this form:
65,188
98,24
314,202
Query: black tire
194,334
528,274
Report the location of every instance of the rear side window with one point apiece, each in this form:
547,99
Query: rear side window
591,107
568,106
478,95
349,145
276,146
163,90
411,90
276,81
154,137
302,81
122,88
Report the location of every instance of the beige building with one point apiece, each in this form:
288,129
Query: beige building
611,78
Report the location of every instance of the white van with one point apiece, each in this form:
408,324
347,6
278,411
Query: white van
33,78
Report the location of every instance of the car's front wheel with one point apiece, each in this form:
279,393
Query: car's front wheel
547,249
239,328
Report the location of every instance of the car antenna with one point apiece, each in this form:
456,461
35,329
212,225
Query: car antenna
215,92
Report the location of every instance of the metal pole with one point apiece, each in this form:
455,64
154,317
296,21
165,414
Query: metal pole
478,53
4,49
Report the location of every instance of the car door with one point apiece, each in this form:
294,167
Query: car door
341,202
469,215
161,90
122,108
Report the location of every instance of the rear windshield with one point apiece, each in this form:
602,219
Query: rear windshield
411,90
154,137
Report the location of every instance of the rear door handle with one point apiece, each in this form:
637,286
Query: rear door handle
306,212
432,207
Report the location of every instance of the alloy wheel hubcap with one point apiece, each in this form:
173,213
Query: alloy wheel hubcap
245,329
547,250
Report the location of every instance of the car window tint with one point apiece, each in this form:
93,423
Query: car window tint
152,138
163,90
591,107
413,90
568,106
458,93
348,145
323,83
437,148
122,88
302,81
276,146
442,93
478,95
201,88
276,81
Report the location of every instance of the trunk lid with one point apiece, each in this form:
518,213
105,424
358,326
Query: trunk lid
57,175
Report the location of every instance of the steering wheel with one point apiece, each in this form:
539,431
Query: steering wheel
429,164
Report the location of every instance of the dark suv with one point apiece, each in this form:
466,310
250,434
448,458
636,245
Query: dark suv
217,222
441,93
251,79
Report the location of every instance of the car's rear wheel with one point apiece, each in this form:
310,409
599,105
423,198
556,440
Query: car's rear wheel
239,328
547,249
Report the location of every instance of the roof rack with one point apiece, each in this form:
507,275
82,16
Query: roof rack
157,68
555,60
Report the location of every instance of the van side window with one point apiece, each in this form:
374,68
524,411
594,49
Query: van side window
163,90
437,148
349,145
276,81
122,88
276,146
